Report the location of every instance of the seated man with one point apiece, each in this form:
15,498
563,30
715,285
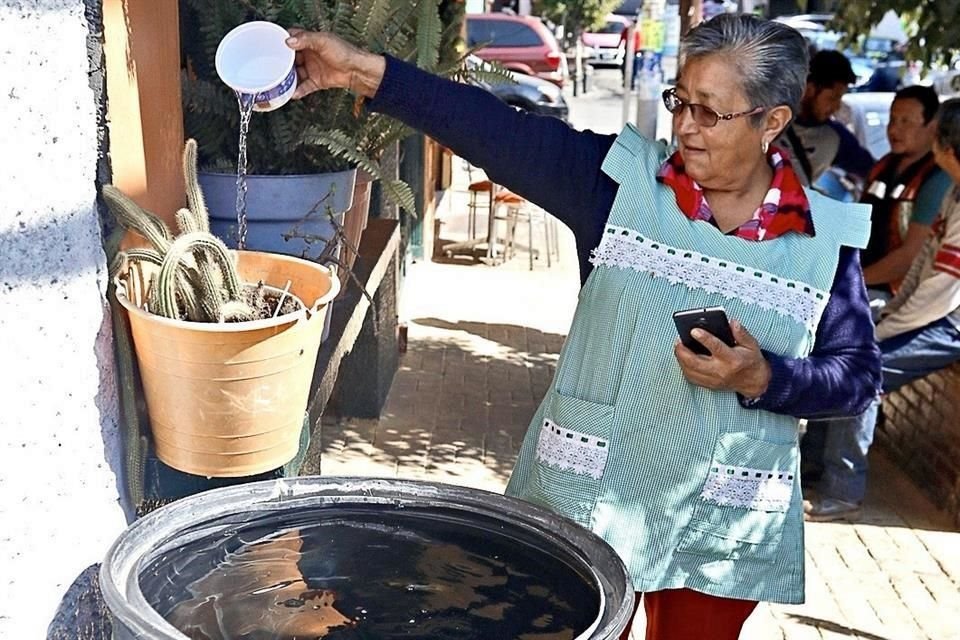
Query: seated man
905,188
815,141
918,333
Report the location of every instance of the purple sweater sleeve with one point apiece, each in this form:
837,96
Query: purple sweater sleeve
547,162
841,376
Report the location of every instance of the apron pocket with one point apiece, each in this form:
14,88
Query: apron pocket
742,508
743,536
571,456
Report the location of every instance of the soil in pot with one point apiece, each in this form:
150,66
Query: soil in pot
264,301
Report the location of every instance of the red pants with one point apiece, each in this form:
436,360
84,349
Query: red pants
684,614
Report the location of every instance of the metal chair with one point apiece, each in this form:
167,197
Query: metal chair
477,191
519,210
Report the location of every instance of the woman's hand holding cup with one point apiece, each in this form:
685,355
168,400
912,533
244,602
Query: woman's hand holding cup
325,61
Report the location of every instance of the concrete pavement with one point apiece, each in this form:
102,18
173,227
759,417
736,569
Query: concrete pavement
483,345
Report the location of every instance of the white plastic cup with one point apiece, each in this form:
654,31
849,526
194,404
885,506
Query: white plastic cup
254,59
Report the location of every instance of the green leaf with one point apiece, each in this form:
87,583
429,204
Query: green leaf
343,12
400,27
400,193
340,145
487,71
932,26
429,30
371,18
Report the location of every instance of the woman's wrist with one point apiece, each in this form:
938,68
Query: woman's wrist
366,74
757,381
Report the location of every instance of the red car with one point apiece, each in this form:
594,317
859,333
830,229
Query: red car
520,43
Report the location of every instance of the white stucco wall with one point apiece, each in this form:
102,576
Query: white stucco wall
59,508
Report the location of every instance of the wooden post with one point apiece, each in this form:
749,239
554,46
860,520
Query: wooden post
431,172
142,50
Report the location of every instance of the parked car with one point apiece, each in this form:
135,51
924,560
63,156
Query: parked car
532,94
604,47
520,43
527,93
807,20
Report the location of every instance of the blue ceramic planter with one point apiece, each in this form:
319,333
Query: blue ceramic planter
275,206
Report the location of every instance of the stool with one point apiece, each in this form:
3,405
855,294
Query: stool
519,210
477,189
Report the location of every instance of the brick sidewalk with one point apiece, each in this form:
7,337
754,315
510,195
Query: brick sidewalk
483,345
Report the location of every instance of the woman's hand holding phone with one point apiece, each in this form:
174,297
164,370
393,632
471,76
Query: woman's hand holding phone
741,368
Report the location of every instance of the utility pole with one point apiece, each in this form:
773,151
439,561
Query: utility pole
650,76
628,59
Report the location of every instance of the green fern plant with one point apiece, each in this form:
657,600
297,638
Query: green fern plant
326,131
197,279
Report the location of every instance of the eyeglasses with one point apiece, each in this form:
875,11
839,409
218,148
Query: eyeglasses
702,114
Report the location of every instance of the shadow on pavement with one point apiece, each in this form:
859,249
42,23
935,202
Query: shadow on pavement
834,628
531,342
458,407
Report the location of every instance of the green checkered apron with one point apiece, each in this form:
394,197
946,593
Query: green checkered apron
690,488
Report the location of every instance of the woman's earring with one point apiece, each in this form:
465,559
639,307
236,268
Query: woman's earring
765,146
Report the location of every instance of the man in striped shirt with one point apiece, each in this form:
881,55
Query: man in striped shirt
918,333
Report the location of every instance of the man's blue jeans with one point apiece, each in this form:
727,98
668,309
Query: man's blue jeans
837,448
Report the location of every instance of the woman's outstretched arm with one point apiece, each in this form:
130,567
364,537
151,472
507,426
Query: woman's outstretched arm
541,158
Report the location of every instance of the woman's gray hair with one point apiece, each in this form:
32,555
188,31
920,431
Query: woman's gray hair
772,58
948,126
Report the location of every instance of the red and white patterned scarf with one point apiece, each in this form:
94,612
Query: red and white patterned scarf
784,209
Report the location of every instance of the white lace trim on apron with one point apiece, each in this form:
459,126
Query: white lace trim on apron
626,249
569,450
746,488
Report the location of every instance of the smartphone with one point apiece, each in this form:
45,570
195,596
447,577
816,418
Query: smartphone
710,319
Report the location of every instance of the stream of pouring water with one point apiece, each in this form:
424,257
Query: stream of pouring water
245,102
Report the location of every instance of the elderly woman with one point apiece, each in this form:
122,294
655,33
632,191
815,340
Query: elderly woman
686,464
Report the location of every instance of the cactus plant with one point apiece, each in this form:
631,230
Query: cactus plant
197,278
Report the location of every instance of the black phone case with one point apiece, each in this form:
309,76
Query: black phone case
710,319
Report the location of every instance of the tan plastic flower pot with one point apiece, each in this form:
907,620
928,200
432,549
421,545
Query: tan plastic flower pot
228,399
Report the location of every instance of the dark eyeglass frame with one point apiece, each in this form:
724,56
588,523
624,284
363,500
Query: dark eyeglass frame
701,113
